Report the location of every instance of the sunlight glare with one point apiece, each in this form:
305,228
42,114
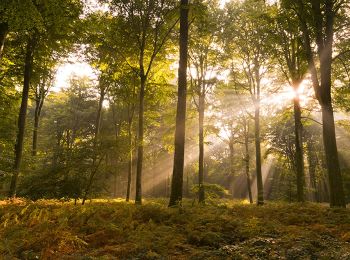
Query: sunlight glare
66,70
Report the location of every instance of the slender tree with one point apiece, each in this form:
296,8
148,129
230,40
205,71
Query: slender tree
246,37
95,160
203,60
42,82
31,43
291,56
131,112
54,30
245,122
3,34
148,25
178,168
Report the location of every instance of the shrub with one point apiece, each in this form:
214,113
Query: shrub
212,191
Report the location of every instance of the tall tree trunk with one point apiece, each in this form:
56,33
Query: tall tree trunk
337,198
299,154
130,161
336,190
232,175
312,171
95,142
259,181
35,132
138,196
3,34
201,108
37,113
232,159
57,150
247,161
177,178
324,23
22,114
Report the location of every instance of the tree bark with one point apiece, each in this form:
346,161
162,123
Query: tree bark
3,34
312,171
128,191
138,196
232,175
37,113
247,160
35,132
28,64
232,154
95,142
336,192
178,168
201,108
259,181
299,154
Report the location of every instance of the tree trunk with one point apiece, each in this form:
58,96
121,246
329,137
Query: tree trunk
259,181
37,113
232,154
312,171
336,191
22,115
177,178
299,154
138,196
95,142
3,34
232,175
130,162
35,131
247,160
324,23
201,108
57,150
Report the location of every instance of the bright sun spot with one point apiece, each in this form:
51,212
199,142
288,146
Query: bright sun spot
287,94
66,70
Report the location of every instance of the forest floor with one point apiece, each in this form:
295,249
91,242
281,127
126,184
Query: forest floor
112,229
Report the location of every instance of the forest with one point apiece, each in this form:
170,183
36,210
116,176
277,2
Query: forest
174,129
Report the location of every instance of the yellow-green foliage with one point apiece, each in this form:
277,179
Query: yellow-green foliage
224,230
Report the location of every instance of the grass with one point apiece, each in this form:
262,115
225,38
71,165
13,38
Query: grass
113,229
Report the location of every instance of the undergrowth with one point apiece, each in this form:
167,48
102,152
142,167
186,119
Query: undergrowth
220,230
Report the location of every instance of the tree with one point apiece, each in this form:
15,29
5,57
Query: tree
203,61
282,145
317,22
31,42
19,17
235,128
144,28
291,57
178,168
54,20
246,38
103,88
42,81
3,33
245,122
